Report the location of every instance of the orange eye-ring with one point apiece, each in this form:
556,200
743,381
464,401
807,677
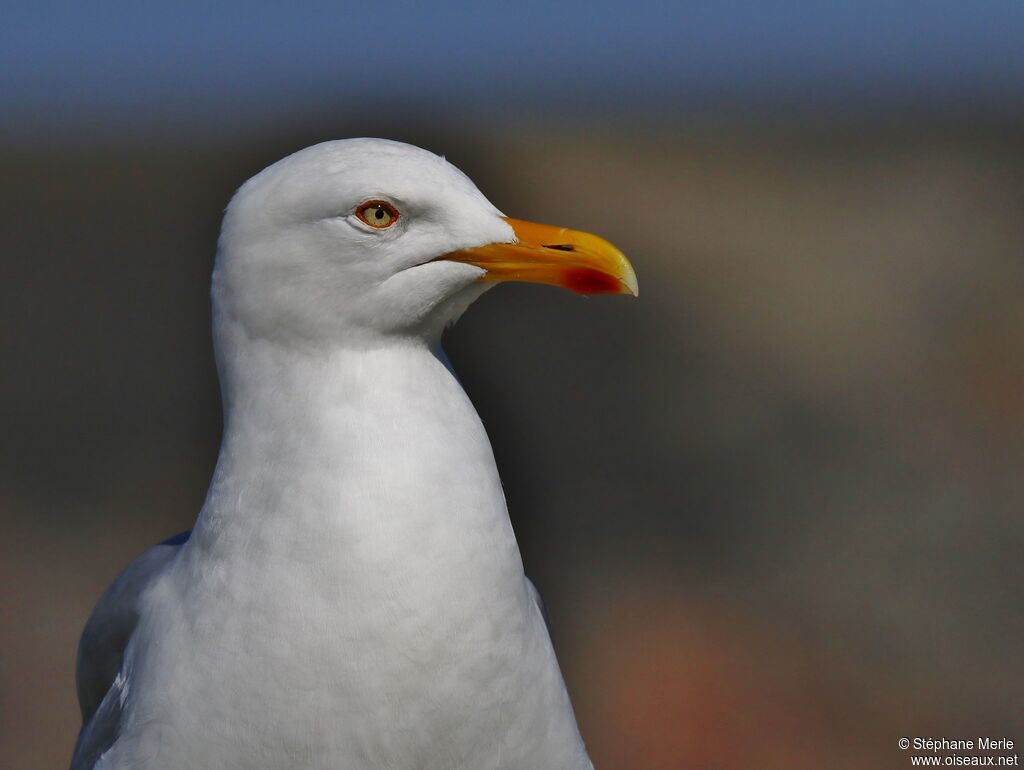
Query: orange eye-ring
379,214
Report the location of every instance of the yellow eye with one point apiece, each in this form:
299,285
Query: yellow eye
379,214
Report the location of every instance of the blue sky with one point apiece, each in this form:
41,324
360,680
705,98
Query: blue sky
192,61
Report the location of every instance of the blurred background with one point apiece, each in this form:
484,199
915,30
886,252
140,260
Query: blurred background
774,504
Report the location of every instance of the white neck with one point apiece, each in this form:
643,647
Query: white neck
372,460
355,545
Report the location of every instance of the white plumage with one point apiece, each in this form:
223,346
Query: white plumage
352,595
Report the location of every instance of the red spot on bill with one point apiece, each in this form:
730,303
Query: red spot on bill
583,280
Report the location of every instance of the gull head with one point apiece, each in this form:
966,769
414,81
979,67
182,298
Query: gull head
353,239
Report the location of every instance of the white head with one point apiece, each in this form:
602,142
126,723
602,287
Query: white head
360,238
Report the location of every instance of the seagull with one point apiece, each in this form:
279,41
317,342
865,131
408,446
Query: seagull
351,595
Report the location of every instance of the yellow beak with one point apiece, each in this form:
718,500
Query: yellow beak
574,260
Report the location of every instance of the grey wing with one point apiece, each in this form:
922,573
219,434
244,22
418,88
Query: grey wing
539,601
101,651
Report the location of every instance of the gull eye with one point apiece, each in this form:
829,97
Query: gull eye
379,214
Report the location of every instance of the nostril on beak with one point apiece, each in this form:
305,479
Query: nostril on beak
560,247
